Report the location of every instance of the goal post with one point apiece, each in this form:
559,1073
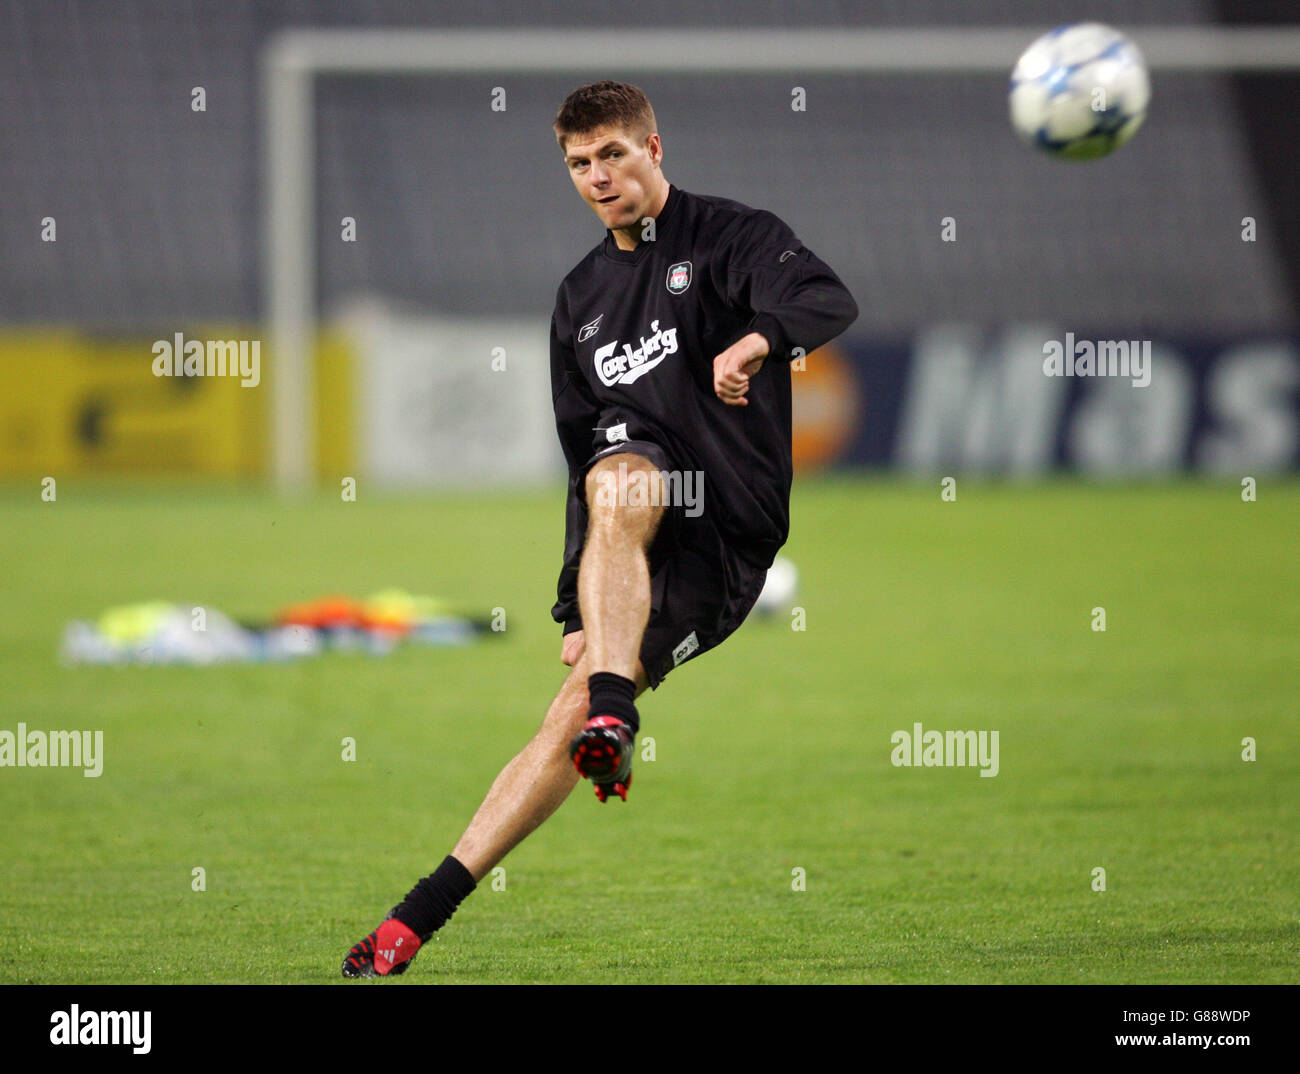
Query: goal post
294,59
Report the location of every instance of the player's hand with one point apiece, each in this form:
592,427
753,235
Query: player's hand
571,650
734,366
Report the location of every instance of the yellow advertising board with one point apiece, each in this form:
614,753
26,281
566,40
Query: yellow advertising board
81,403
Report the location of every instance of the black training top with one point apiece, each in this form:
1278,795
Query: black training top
633,340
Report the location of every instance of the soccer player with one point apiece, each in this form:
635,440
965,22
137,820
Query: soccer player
671,345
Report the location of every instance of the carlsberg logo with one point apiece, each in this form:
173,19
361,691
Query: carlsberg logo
632,364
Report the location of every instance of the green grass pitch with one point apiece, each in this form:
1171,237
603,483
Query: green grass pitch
1120,750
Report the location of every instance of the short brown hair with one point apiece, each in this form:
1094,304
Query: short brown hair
602,104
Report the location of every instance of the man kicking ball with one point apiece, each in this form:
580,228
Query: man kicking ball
671,346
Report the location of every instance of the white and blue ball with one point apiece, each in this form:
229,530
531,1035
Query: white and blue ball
1080,91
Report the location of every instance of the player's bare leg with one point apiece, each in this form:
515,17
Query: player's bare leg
625,506
539,778
533,785
527,791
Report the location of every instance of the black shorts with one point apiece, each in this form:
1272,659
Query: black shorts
701,589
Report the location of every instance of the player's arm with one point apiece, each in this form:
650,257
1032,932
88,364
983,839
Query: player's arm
795,300
577,413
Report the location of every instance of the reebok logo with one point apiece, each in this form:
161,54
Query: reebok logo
589,330
633,364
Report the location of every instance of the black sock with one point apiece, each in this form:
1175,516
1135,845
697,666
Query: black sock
434,899
613,695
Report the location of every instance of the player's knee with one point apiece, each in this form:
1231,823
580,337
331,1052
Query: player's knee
625,480
625,496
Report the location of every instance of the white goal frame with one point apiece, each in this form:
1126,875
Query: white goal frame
294,59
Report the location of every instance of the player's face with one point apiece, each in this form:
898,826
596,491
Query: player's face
616,175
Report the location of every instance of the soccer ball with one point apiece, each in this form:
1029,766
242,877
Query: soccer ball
777,597
1080,91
